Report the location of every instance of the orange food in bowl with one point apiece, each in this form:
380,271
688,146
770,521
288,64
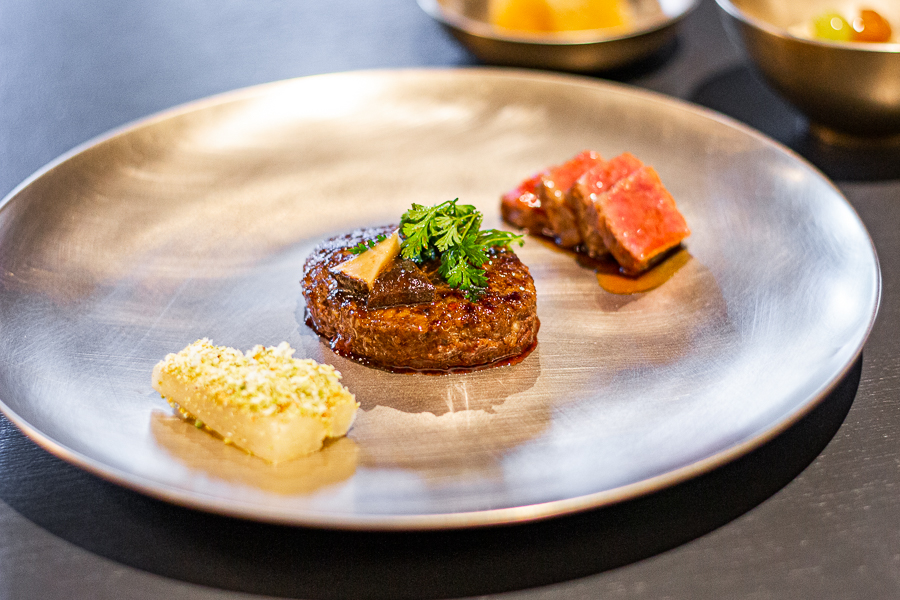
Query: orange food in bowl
559,15
865,25
870,26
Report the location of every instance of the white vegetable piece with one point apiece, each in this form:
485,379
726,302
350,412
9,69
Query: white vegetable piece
265,401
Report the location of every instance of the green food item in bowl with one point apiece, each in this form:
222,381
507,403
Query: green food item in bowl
832,26
863,25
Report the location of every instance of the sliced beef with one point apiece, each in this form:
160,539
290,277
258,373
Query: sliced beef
522,207
590,186
553,190
448,332
639,221
600,207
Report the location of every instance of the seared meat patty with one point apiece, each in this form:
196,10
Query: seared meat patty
449,332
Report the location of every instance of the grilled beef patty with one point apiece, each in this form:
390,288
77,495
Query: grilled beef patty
448,333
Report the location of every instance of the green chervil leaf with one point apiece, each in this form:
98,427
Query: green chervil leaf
365,245
415,229
452,232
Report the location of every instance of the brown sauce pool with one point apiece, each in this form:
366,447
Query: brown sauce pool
613,280
610,275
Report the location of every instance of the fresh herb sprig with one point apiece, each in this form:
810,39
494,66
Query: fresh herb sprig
366,244
452,232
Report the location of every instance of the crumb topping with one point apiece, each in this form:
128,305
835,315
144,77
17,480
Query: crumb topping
264,380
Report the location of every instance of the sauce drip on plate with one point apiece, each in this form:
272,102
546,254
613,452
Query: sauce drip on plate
613,280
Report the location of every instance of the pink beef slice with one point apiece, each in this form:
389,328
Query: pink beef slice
521,207
639,220
590,186
553,189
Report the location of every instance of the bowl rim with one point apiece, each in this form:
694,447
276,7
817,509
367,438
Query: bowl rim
482,29
780,32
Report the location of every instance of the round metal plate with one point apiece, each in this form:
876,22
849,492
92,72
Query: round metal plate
196,223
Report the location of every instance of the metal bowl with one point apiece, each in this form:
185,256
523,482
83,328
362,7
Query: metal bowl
849,91
653,26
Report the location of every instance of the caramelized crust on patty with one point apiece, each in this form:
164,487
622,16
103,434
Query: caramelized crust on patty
447,333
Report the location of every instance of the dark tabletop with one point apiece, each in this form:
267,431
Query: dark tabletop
812,514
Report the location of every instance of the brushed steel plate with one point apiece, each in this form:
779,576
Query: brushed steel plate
196,223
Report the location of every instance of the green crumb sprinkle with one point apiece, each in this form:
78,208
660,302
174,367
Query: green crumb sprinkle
263,381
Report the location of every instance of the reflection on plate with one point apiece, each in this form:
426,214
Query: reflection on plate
208,455
197,222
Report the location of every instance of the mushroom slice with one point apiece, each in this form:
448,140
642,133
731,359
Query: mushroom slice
404,283
358,274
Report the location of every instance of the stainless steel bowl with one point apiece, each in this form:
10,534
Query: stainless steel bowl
653,26
849,91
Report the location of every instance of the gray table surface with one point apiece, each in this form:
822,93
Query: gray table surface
813,514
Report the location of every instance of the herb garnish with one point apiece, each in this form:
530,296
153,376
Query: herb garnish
452,232
365,245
